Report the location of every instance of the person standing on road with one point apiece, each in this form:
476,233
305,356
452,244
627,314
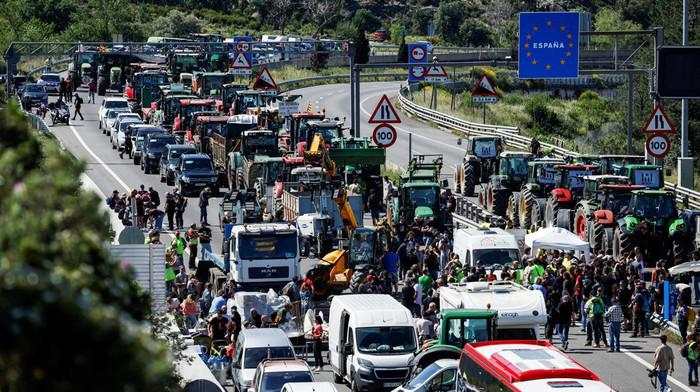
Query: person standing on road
192,237
565,311
170,205
78,103
178,246
596,310
390,261
203,204
691,352
180,206
92,89
663,363
615,317
154,196
317,334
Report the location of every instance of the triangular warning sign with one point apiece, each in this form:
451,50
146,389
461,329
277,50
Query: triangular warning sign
484,88
436,71
659,122
264,81
240,61
384,113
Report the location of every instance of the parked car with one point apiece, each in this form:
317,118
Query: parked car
153,147
195,173
120,125
35,94
439,376
110,118
323,386
272,374
111,103
50,81
138,139
253,346
170,160
121,116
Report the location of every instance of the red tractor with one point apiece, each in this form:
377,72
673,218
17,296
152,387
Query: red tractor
605,199
560,204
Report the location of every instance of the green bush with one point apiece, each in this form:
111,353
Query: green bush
543,119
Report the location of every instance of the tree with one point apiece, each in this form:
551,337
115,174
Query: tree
322,13
448,18
72,317
403,51
279,12
608,19
177,24
364,19
361,47
474,32
420,21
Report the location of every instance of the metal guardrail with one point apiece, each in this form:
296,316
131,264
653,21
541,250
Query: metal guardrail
293,83
512,138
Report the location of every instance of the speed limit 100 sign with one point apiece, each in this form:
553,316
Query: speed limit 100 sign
658,145
384,135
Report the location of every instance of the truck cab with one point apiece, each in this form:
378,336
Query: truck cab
263,255
490,248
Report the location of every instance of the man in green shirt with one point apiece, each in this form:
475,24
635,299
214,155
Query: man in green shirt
178,245
425,281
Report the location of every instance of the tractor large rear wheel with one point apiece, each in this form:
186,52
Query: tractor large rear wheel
536,216
527,200
512,210
622,243
500,201
357,278
597,237
551,211
679,251
469,179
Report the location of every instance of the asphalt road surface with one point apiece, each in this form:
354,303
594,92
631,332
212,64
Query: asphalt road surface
623,371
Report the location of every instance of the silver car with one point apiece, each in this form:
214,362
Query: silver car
439,376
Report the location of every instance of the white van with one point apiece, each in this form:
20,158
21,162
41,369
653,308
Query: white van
521,311
372,341
252,347
485,247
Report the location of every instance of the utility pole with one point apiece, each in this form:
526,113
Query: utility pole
685,162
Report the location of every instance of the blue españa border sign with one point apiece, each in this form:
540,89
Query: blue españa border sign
548,45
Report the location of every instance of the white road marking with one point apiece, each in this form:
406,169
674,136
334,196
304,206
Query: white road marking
650,366
407,131
100,161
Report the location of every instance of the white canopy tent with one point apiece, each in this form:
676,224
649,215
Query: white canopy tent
557,238
690,266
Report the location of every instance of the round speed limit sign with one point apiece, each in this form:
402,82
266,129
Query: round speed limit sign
384,135
658,145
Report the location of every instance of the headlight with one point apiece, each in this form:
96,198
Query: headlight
214,179
185,179
152,156
364,363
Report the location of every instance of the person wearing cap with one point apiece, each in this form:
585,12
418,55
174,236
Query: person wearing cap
180,206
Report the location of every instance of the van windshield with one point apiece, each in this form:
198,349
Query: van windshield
395,340
253,356
515,334
273,382
487,257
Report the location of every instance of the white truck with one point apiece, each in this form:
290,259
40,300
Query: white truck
263,255
521,311
486,247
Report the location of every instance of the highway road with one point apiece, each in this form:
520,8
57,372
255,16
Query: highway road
624,371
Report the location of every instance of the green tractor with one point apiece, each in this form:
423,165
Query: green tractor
651,223
511,175
479,163
649,176
418,194
541,178
561,201
358,158
605,197
457,328
609,164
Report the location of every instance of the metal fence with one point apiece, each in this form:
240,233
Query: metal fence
512,137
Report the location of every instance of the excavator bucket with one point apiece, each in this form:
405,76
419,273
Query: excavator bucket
339,273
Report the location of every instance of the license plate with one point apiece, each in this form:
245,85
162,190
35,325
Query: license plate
201,184
392,384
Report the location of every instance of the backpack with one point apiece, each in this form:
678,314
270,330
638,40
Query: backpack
598,307
684,350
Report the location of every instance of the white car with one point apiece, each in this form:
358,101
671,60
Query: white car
272,374
115,103
109,118
121,116
118,135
